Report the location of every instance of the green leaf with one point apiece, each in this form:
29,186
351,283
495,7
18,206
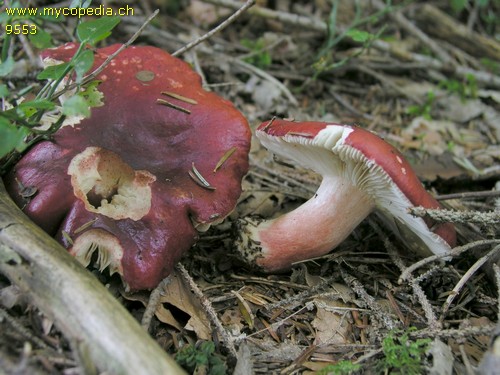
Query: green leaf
12,137
93,31
6,66
80,3
4,17
359,35
54,72
458,5
38,104
82,63
4,90
28,109
41,39
76,106
92,95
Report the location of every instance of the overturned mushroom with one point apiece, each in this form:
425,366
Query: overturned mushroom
361,173
138,179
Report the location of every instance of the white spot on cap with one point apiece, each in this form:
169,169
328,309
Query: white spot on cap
400,161
403,170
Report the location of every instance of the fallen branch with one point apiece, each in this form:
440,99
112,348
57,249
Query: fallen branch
81,307
454,216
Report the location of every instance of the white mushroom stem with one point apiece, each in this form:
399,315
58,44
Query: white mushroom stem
311,230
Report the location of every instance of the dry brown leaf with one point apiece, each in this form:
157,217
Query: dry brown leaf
179,295
232,321
331,322
165,316
474,348
430,135
204,14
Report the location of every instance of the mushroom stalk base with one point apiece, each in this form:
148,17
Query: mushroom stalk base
309,231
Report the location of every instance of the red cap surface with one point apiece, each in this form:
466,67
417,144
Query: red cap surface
126,176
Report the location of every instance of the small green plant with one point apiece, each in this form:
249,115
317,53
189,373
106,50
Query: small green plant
340,368
402,355
424,109
491,65
324,59
20,119
485,9
465,89
258,56
458,5
201,358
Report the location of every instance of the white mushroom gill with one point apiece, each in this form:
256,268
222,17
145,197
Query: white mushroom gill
109,250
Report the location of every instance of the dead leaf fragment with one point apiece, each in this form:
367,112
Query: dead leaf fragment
179,295
331,321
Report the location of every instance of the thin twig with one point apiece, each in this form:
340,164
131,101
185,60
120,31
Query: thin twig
226,338
215,30
369,301
153,303
406,274
469,195
472,331
106,62
465,278
308,306
496,268
22,330
417,289
454,216
410,27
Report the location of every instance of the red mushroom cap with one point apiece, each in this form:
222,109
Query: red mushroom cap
124,181
361,173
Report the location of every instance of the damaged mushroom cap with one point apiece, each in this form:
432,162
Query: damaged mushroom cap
361,173
159,161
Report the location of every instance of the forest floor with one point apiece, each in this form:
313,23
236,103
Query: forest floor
425,76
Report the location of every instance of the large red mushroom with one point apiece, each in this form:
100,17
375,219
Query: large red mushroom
161,160
361,173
